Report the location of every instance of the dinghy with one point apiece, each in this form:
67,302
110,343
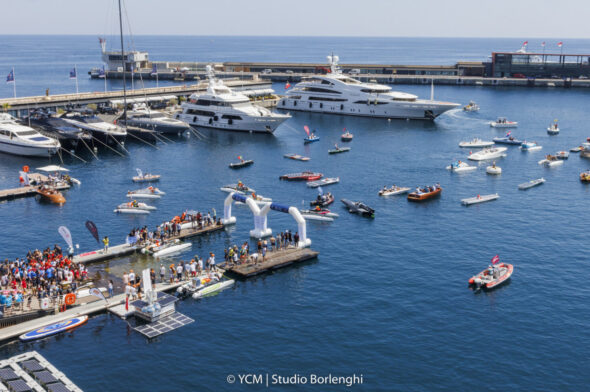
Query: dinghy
238,188
50,194
492,276
551,161
479,199
507,140
531,183
322,200
320,212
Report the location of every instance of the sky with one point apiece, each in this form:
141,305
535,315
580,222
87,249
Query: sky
383,18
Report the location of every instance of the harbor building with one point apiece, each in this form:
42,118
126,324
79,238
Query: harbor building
539,65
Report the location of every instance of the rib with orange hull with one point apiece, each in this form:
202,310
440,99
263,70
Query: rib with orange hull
488,280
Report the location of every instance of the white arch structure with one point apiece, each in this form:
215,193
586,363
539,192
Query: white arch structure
261,228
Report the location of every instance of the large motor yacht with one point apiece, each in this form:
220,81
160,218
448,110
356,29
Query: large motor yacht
222,108
340,94
21,140
144,117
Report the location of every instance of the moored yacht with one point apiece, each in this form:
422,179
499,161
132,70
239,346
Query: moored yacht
100,129
143,117
68,135
340,94
18,139
222,108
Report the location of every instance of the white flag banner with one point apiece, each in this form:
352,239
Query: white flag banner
67,236
97,293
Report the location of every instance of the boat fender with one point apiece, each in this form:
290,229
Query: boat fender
70,299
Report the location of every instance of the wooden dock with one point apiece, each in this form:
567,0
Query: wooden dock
26,191
274,260
190,232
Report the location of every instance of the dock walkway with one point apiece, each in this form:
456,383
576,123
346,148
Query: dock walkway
80,310
274,260
28,190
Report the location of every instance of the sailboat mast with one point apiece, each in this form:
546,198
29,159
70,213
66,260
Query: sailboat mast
123,62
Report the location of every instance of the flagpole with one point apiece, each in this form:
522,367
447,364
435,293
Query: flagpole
13,82
76,72
105,79
157,83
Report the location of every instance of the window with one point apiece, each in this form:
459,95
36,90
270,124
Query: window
320,90
327,99
200,112
231,117
375,91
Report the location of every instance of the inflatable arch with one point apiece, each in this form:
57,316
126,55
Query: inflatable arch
261,228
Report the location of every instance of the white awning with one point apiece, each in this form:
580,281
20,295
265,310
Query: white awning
52,168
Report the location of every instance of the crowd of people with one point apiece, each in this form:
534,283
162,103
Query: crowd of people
49,273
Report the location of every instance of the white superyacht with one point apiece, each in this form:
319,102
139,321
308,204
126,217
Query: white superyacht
222,108
340,94
18,139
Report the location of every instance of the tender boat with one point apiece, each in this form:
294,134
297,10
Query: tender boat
494,169
131,210
322,212
460,167
585,176
530,146
394,190
53,329
207,284
425,193
238,188
338,150
346,136
357,207
508,139
302,176
147,177
502,122
479,199
551,161
50,194
146,118
134,204
476,143
323,182
471,107
488,153
492,277
21,140
323,200
562,155
146,193
241,163
553,129
531,183
296,157
166,248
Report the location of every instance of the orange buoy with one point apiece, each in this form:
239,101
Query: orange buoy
70,299
25,168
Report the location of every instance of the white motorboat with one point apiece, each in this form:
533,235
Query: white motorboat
551,161
323,182
315,217
336,93
488,153
146,193
476,143
553,129
237,188
145,177
460,167
502,122
321,212
222,108
494,169
141,206
471,107
530,146
166,248
146,118
203,285
135,211
531,183
100,129
479,199
394,190
21,140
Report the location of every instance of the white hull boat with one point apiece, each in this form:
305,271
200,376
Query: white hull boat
17,139
479,199
531,183
323,182
530,146
503,123
320,213
214,288
461,167
476,143
317,217
234,188
205,284
550,162
395,190
140,206
488,153
147,193
135,211
168,249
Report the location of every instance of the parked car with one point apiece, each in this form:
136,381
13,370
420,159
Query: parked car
518,76
267,71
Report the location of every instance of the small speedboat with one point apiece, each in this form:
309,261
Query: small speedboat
394,190
507,140
471,107
50,194
311,139
576,149
241,163
159,249
460,167
302,176
502,122
346,136
494,169
425,193
531,183
487,153
553,129
131,210
238,188
338,150
200,286
134,204
147,177
562,155
476,143
296,157
585,176
146,193
551,161
479,199
492,276
357,207
530,146
316,217
323,182
320,212
322,200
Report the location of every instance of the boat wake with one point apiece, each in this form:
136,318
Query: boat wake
462,115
